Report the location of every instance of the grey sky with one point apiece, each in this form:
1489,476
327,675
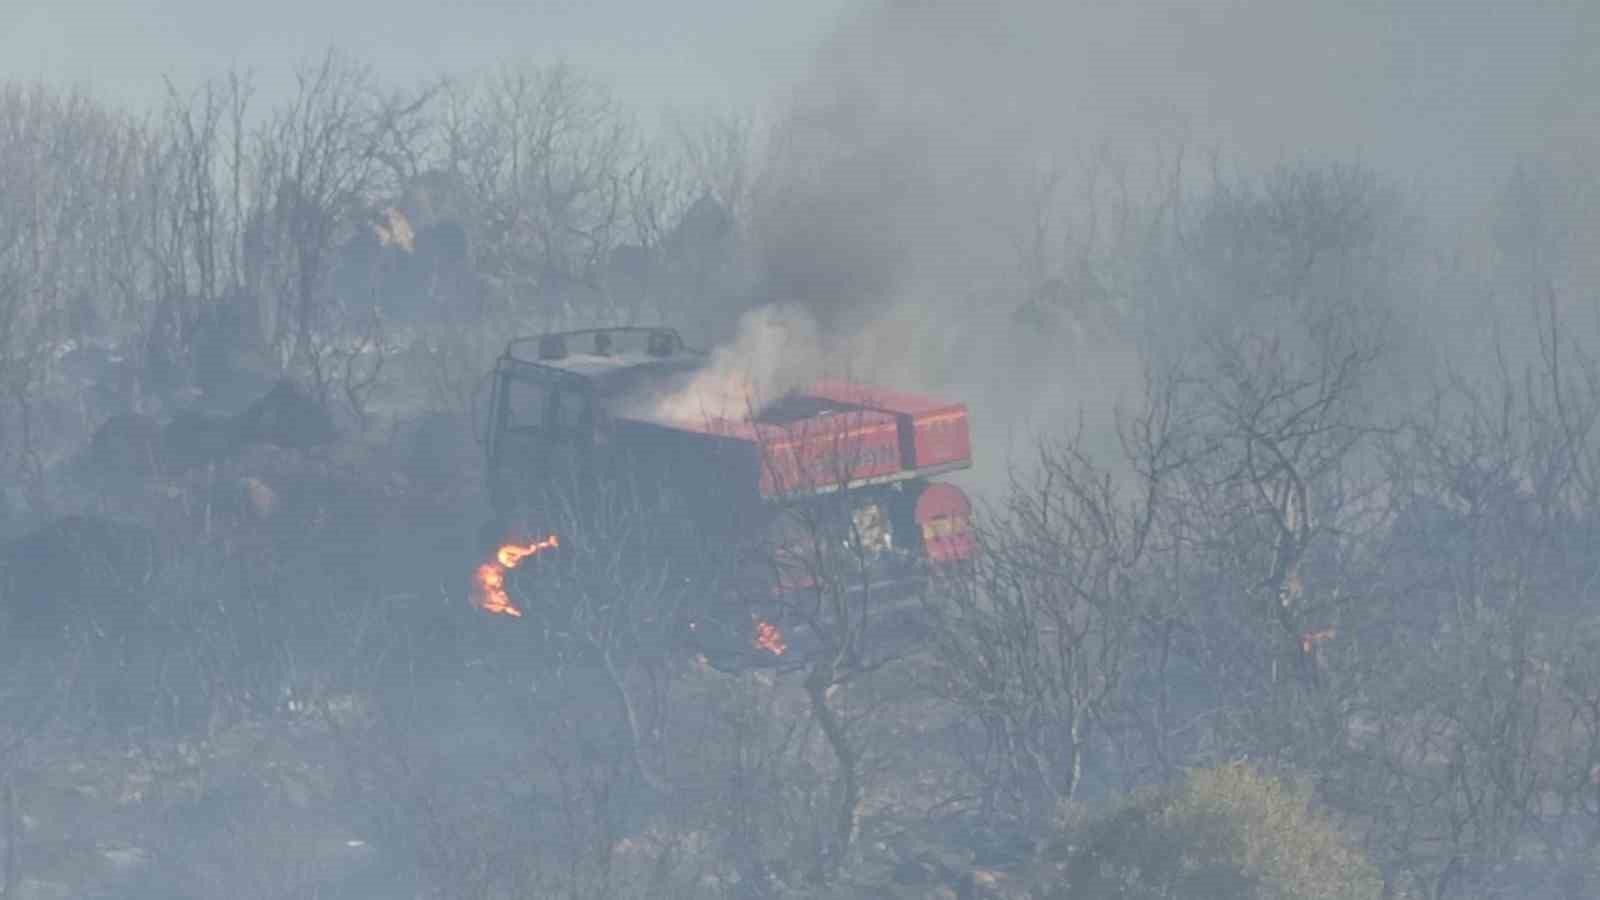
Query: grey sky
693,53
1413,86
1437,88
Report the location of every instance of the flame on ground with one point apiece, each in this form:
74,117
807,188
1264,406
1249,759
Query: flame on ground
511,554
491,576
770,639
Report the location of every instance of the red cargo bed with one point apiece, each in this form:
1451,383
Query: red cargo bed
867,436
934,433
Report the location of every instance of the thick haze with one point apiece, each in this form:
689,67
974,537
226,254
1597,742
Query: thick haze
1443,96
251,475
695,53
1428,90
903,175
1439,85
910,166
1429,84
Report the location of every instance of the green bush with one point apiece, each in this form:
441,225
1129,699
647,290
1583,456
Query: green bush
1228,833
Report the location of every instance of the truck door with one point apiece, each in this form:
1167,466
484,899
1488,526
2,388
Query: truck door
571,430
543,435
518,436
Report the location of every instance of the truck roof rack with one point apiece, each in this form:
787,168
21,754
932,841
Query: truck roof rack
623,344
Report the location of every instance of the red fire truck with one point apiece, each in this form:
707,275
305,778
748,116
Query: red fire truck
584,407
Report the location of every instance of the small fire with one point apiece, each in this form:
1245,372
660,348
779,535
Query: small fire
511,554
769,638
491,576
492,596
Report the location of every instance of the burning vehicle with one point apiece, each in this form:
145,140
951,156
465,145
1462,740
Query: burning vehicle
572,412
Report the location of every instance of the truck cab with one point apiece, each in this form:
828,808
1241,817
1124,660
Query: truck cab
559,418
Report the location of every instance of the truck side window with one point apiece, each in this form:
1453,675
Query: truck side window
530,403
573,415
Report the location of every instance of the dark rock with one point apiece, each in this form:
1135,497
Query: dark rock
166,363
129,447
705,224
443,246
999,847
223,334
287,417
915,871
434,277
194,439
117,389
362,252
125,446
79,571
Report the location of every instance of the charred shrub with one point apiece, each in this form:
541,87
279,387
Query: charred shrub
76,619
194,439
1228,833
287,417
78,573
125,446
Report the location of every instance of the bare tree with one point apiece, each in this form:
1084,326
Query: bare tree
630,579
321,162
545,154
66,198
1476,749
832,561
204,312
1034,640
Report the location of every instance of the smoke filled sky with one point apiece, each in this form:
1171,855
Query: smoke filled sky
1433,85
1444,88
691,53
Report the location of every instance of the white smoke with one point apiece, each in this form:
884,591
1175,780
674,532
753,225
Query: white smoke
776,350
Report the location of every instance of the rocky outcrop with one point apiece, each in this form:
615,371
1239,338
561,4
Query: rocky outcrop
194,439
286,417
127,446
131,447
77,572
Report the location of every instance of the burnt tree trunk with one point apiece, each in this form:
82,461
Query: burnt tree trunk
818,682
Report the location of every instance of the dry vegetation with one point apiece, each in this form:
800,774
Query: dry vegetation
237,656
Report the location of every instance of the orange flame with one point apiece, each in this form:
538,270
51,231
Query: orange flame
511,554
491,576
770,639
